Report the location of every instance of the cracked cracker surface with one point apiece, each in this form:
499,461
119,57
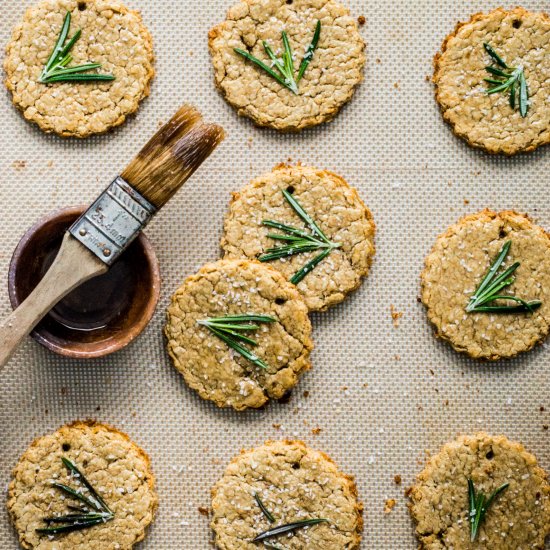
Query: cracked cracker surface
112,35
208,365
115,466
332,203
329,81
457,264
518,518
294,482
487,121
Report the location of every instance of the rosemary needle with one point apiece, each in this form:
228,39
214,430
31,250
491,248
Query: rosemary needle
478,505
298,241
284,73
507,79
264,510
93,510
56,68
488,291
288,528
231,328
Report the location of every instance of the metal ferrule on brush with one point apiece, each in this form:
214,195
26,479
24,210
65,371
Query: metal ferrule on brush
113,221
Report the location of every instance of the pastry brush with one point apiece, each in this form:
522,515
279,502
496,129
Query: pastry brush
94,242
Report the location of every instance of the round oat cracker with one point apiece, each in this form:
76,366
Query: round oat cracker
115,467
521,38
518,518
294,483
329,81
456,266
112,35
208,365
331,203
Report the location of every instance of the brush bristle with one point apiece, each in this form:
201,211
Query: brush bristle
172,155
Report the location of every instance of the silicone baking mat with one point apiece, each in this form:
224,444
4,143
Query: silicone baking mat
381,395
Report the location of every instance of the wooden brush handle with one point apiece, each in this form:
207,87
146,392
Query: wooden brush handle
73,265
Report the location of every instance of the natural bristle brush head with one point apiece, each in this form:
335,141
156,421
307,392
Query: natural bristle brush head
172,155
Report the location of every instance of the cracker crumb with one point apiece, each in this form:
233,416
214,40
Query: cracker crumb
397,479
361,20
19,164
390,505
204,511
395,315
277,426
316,431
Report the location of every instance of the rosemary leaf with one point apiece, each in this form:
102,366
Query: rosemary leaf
76,526
284,66
230,330
301,273
478,506
498,60
299,241
56,70
264,510
488,292
288,528
308,56
72,518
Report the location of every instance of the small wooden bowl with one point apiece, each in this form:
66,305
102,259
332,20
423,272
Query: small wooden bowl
101,316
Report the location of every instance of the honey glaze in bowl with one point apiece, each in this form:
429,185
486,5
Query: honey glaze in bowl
99,317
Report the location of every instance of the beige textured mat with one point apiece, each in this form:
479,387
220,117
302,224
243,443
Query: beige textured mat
405,391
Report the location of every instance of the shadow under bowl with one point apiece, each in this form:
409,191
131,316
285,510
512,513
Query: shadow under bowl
105,313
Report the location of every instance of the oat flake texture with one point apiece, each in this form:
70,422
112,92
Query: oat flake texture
112,35
331,203
457,264
518,518
329,81
521,38
115,466
209,366
294,483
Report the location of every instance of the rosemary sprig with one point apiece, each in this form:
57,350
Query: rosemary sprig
298,241
478,506
56,68
487,293
232,328
285,64
93,510
508,79
288,528
281,529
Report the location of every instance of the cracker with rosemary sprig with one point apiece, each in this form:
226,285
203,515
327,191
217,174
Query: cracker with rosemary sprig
491,80
86,486
287,65
239,333
284,495
481,491
101,78
486,285
310,225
